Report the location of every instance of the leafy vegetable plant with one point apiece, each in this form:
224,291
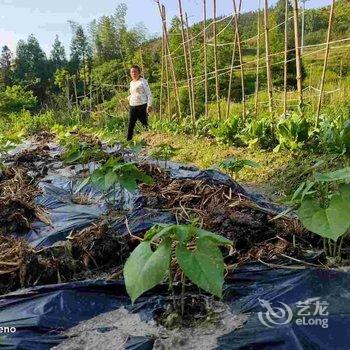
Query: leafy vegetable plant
193,251
292,133
164,152
234,165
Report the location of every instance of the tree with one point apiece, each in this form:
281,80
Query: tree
105,38
31,67
58,54
81,51
5,66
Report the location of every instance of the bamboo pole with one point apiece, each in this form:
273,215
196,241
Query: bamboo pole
285,58
184,46
176,89
240,59
191,68
297,51
205,58
161,80
228,104
166,67
217,83
267,53
257,65
330,22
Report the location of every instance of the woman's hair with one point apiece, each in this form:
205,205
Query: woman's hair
135,66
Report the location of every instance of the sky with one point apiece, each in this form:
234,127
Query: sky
45,19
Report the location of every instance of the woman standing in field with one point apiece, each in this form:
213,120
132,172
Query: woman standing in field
140,100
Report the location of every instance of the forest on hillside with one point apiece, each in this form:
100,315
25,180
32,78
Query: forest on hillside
101,54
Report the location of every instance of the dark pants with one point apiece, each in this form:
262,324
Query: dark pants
137,113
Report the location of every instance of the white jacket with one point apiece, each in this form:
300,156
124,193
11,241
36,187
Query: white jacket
140,93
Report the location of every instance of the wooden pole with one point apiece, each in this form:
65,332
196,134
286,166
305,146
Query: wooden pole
228,104
191,68
166,66
217,83
298,52
205,58
330,22
161,79
257,65
240,58
285,58
176,89
267,54
184,45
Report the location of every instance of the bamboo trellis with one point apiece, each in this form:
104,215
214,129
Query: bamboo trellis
245,66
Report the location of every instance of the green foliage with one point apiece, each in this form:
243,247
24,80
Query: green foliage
82,153
334,135
228,131
258,132
234,165
325,204
292,132
15,99
202,262
114,172
164,152
330,222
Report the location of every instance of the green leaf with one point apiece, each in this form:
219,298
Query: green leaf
156,229
110,179
220,240
251,163
341,174
129,184
204,266
331,222
144,268
166,230
73,156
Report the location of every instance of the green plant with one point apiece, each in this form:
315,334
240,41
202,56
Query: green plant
164,152
258,132
189,250
5,146
335,135
113,173
325,207
292,133
82,153
234,165
228,131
